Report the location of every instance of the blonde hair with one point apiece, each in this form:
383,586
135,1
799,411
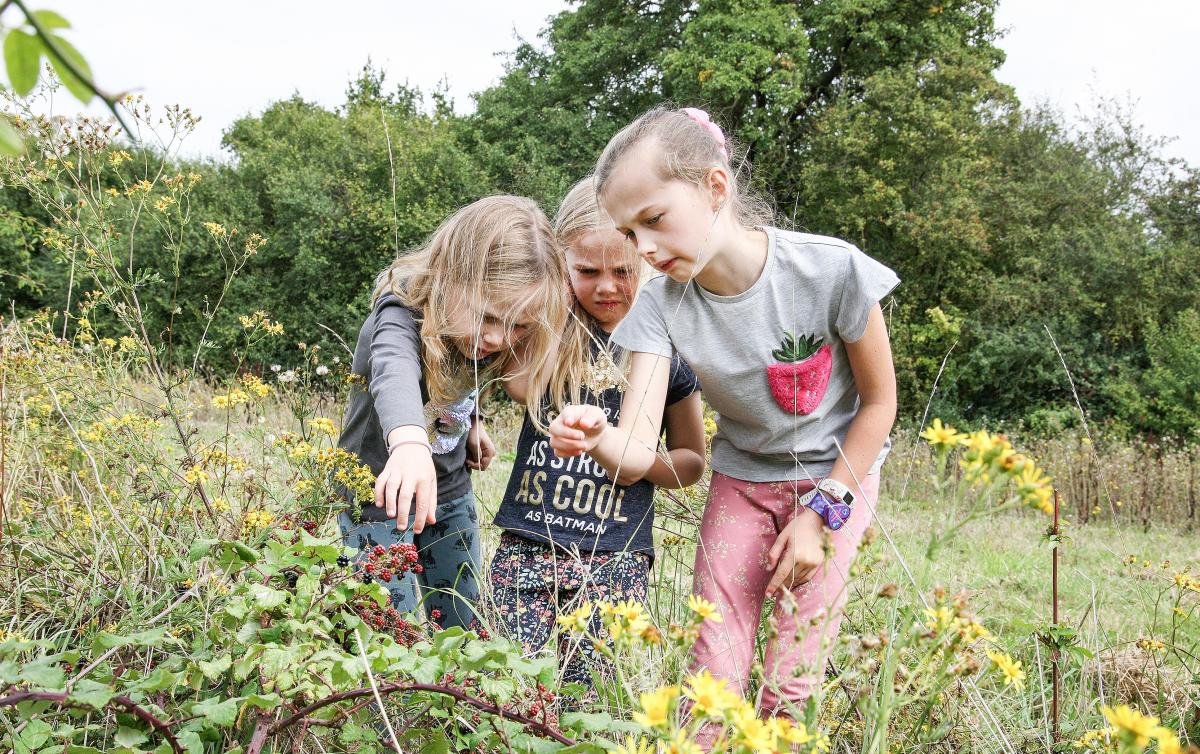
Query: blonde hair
579,214
687,151
499,248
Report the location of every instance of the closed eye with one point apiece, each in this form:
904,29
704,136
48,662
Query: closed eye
654,220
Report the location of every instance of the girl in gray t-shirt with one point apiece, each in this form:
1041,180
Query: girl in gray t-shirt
785,333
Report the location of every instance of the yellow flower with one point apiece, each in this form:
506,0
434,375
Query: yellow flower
1013,675
1168,742
681,744
323,426
752,731
711,696
220,504
656,705
257,519
217,230
1130,724
195,474
639,746
118,157
577,620
220,401
703,609
163,203
938,618
943,437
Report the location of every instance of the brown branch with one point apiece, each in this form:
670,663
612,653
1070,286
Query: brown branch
391,688
63,700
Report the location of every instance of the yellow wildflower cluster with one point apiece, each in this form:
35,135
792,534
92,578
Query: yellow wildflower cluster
140,187
254,384
234,397
711,698
196,474
987,456
338,464
1151,645
135,425
321,425
218,457
216,230
257,519
627,623
260,321
220,504
1129,730
119,157
254,242
162,204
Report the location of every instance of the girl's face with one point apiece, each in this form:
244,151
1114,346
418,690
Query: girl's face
669,221
479,329
603,275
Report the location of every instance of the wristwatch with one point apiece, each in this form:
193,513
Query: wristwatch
831,500
837,491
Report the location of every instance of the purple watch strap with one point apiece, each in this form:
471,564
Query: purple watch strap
834,512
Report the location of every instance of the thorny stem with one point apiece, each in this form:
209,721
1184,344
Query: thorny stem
63,700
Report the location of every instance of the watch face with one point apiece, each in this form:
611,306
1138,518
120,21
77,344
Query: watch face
848,498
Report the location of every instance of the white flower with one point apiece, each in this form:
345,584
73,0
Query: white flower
270,438
322,370
275,367
338,360
288,376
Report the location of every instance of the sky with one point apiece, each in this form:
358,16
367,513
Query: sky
226,59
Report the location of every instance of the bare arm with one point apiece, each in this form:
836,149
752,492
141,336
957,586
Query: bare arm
871,362
684,464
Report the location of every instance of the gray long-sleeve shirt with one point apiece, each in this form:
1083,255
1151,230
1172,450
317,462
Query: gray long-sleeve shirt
388,357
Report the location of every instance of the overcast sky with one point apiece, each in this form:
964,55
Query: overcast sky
225,59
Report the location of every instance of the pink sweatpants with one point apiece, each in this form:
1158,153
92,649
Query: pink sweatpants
741,522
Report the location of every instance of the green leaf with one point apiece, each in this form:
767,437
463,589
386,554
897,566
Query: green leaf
501,689
199,549
74,85
191,742
159,680
215,669
149,638
50,20
22,55
42,674
11,143
35,734
266,598
438,744
130,737
264,701
92,693
218,712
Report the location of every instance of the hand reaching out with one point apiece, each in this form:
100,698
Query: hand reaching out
408,476
577,430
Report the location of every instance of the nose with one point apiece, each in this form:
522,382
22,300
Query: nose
492,337
645,247
606,285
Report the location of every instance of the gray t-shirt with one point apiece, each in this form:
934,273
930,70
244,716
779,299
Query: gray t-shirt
388,358
771,360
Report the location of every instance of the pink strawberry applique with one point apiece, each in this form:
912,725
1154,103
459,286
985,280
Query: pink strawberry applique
798,382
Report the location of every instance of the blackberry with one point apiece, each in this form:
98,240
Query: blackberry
367,578
343,561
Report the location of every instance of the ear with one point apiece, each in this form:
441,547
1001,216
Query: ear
720,187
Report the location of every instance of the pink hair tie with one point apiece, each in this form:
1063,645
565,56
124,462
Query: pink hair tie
704,120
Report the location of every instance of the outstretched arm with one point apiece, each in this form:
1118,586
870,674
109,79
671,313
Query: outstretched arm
684,464
627,451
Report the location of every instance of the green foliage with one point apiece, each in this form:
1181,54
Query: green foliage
875,120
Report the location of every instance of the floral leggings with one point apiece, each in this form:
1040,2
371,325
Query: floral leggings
531,586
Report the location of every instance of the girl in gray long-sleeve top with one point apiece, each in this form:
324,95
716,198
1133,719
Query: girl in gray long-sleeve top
483,300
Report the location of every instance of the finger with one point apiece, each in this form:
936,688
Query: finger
403,503
390,490
380,484
777,549
777,578
429,490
